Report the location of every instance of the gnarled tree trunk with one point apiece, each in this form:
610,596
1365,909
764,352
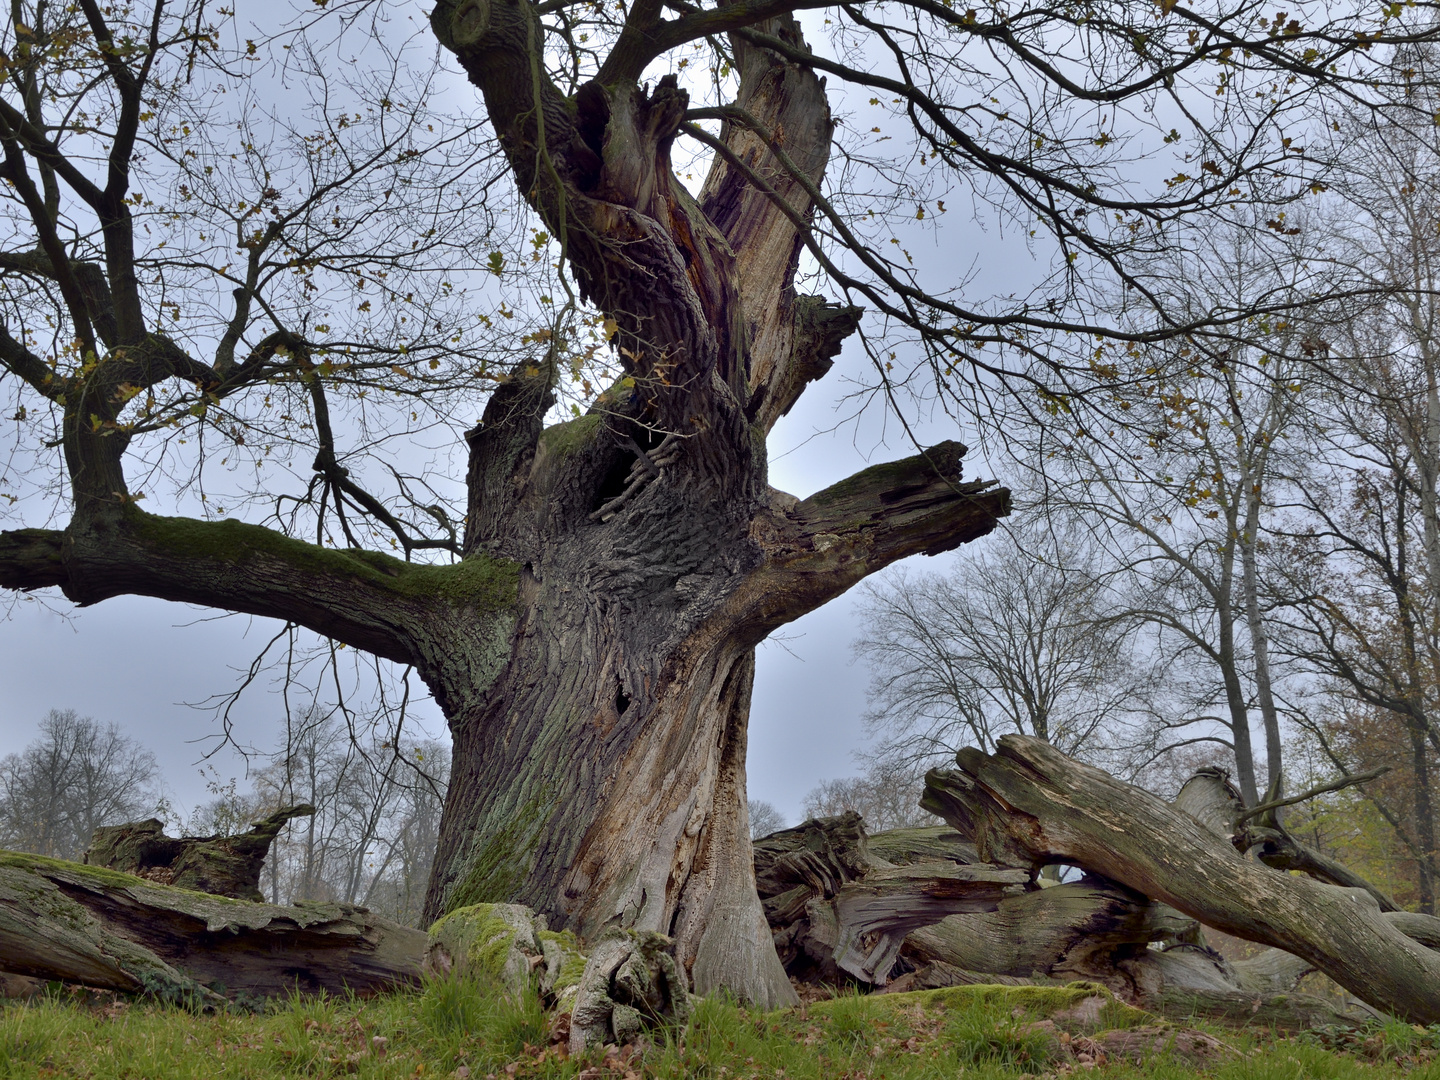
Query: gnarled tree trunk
600,777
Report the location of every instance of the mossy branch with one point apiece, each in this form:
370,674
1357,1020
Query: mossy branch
363,598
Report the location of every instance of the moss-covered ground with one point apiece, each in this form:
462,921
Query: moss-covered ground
459,1029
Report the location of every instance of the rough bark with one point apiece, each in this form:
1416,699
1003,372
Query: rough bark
115,931
1210,798
1029,805
219,865
835,905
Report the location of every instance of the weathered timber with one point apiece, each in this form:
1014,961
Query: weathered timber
1211,798
1069,931
834,905
874,914
115,931
219,865
1030,805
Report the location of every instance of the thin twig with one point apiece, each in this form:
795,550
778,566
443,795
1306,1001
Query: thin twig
1334,785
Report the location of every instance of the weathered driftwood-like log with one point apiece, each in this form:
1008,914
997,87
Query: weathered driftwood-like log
1070,931
115,931
874,914
1100,932
834,903
220,865
1030,805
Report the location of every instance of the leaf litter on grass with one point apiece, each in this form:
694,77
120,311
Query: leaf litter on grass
457,1031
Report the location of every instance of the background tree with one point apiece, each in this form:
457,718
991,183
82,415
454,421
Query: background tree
1176,497
886,795
764,818
1361,605
1017,637
377,799
1362,561
78,775
183,279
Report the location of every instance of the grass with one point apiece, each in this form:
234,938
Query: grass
457,1029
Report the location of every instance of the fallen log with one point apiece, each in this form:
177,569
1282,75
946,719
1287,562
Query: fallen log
1070,931
1210,797
116,931
1029,805
835,905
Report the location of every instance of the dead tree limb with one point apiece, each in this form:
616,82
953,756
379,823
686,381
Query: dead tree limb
115,931
1210,797
835,905
1030,805
222,865
1070,931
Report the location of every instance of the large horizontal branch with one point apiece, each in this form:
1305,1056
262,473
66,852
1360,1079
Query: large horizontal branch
819,547
362,598
1029,804
102,928
32,559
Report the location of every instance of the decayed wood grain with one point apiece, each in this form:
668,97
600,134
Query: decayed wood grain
115,931
835,905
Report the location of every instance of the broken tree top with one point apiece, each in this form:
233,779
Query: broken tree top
223,865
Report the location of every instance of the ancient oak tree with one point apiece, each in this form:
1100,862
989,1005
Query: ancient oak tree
218,253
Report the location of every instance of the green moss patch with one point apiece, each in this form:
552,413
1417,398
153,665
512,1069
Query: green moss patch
571,964
500,862
892,475
491,944
478,581
562,440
